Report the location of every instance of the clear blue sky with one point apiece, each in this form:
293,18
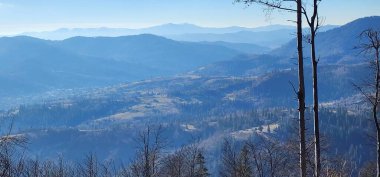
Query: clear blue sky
39,15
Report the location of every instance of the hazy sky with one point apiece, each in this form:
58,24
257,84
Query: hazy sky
39,15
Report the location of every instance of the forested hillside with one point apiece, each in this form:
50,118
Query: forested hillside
113,106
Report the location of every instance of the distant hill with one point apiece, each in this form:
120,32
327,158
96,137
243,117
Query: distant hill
244,48
269,36
243,65
336,45
162,30
183,32
271,39
273,36
175,29
30,65
149,50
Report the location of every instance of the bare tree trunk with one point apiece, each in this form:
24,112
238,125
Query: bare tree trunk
372,42
375,111
301,92
316,114
301,80
314,24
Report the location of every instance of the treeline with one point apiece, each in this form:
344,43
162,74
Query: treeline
344,130
260,156
151,160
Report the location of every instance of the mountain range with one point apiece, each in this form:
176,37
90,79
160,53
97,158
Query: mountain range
334,47
210,90
34,66
338,44
31,65
267,36
162,30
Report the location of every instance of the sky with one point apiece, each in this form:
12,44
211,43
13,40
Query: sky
17,16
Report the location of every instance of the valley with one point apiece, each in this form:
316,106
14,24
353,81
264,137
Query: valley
95,94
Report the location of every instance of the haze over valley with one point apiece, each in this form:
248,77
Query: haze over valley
92,92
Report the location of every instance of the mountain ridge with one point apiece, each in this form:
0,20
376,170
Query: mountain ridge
30,64
335,46
339,42
164,29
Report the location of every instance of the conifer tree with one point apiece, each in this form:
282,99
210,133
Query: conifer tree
200,166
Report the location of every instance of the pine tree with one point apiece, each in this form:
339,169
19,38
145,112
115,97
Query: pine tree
200,167
244,162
